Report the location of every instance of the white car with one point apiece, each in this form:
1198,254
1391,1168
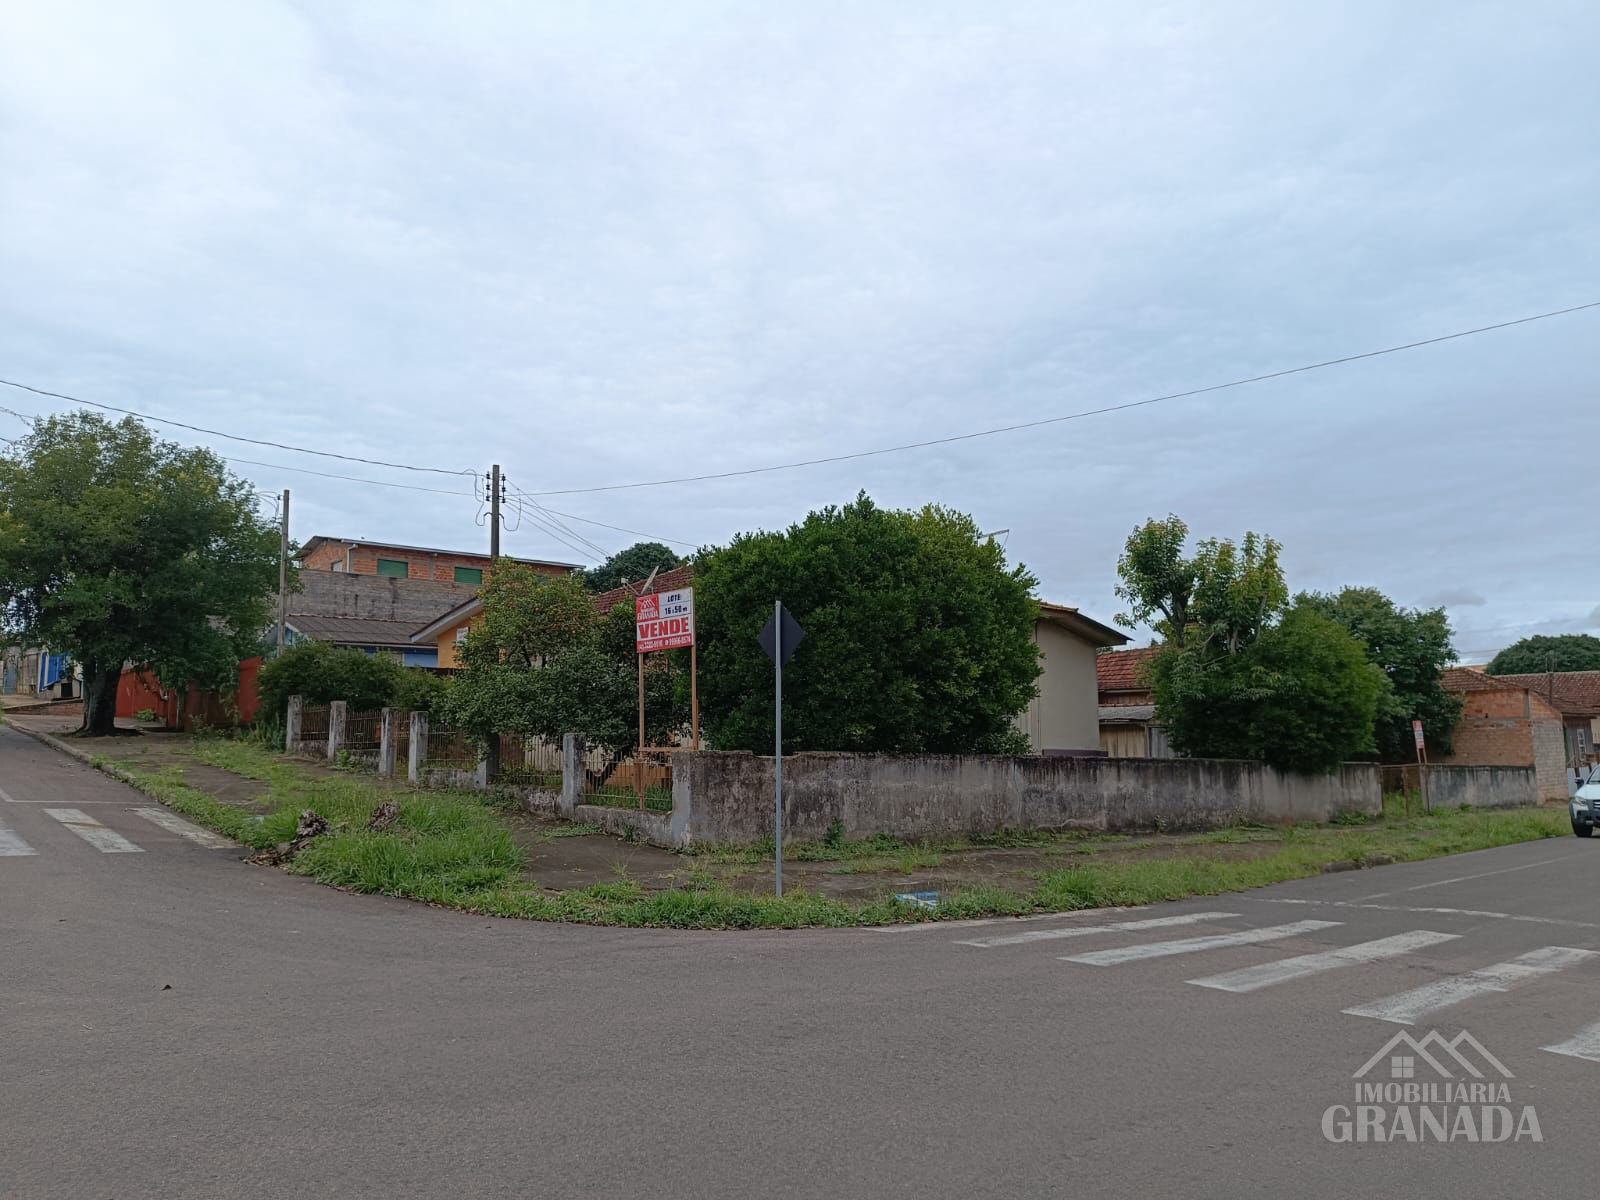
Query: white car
1586,808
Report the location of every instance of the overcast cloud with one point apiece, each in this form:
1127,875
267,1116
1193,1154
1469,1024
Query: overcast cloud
607,243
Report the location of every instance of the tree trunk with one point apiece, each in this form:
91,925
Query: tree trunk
100,699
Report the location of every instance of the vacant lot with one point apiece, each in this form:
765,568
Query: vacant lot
482,853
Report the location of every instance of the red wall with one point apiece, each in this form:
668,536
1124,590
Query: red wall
136,692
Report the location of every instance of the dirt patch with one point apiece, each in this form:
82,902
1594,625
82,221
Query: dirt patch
559,860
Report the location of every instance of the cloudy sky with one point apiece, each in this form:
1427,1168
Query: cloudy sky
610,243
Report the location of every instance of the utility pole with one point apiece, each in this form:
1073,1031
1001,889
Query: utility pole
283,571
494,511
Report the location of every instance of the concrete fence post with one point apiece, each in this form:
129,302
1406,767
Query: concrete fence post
336,714
386,743
291,725
572,750
418,747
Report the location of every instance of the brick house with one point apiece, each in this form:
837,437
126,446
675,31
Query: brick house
1128,725
394,561
1508,721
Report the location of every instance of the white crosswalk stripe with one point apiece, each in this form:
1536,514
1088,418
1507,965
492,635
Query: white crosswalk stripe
1072,931
1246,937
107,841
173,823
12,845
1585,1045
1250,979
1409,1007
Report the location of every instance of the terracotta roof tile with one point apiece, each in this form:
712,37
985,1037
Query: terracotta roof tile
1119,670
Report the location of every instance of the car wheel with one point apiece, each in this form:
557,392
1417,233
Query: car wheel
1582,829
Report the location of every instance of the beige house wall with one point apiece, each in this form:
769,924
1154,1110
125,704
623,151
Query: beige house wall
1125,741
1065,715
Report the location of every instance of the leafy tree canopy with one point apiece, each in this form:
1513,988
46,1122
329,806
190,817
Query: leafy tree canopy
919,636
634,563
1224,594
118,547
1241,674
1412,647
1571,651
543,662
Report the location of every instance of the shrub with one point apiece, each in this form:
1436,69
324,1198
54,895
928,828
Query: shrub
321,672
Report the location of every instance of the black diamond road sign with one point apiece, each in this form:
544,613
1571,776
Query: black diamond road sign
792,634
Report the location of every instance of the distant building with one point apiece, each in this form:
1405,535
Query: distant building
1523,721
394,561
1064,717
1128,725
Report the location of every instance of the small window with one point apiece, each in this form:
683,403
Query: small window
394,568
469,574
461,634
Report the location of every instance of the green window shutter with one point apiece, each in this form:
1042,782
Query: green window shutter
469,574
394,568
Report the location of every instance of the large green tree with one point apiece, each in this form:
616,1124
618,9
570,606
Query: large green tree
634,563
1240,673
1301,696
116,547
543,662
1566,652
1412,647
919,636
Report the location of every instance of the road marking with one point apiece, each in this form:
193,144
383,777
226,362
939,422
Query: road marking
1247,937
1409,1007
12,845
1543,862
1250,979
173,823
1585,1045
1449,912
107,841
938,926
1072,931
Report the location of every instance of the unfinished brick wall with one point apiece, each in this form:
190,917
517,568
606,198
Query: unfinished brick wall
1512,727
420,564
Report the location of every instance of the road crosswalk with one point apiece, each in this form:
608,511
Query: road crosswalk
1410,1006
99,835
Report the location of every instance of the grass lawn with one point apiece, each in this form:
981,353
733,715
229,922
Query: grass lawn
455,848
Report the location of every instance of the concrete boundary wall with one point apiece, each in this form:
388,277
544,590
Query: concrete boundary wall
728,797
1482,787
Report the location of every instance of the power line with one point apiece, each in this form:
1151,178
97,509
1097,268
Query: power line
232,437
654,537
409,487
1094,412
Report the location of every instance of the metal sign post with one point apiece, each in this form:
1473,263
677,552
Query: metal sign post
779,637
1422,767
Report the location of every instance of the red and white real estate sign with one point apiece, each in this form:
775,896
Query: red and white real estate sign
664,621
1416,732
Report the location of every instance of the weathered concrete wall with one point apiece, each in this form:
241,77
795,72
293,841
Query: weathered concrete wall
720,797
1481,787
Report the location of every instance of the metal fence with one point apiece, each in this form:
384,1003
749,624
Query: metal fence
363,735
451,750
402,741
313,729
529,762
629,780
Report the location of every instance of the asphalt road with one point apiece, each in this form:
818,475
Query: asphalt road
179,1024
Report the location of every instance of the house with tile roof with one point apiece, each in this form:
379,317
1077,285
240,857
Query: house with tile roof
1127,707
